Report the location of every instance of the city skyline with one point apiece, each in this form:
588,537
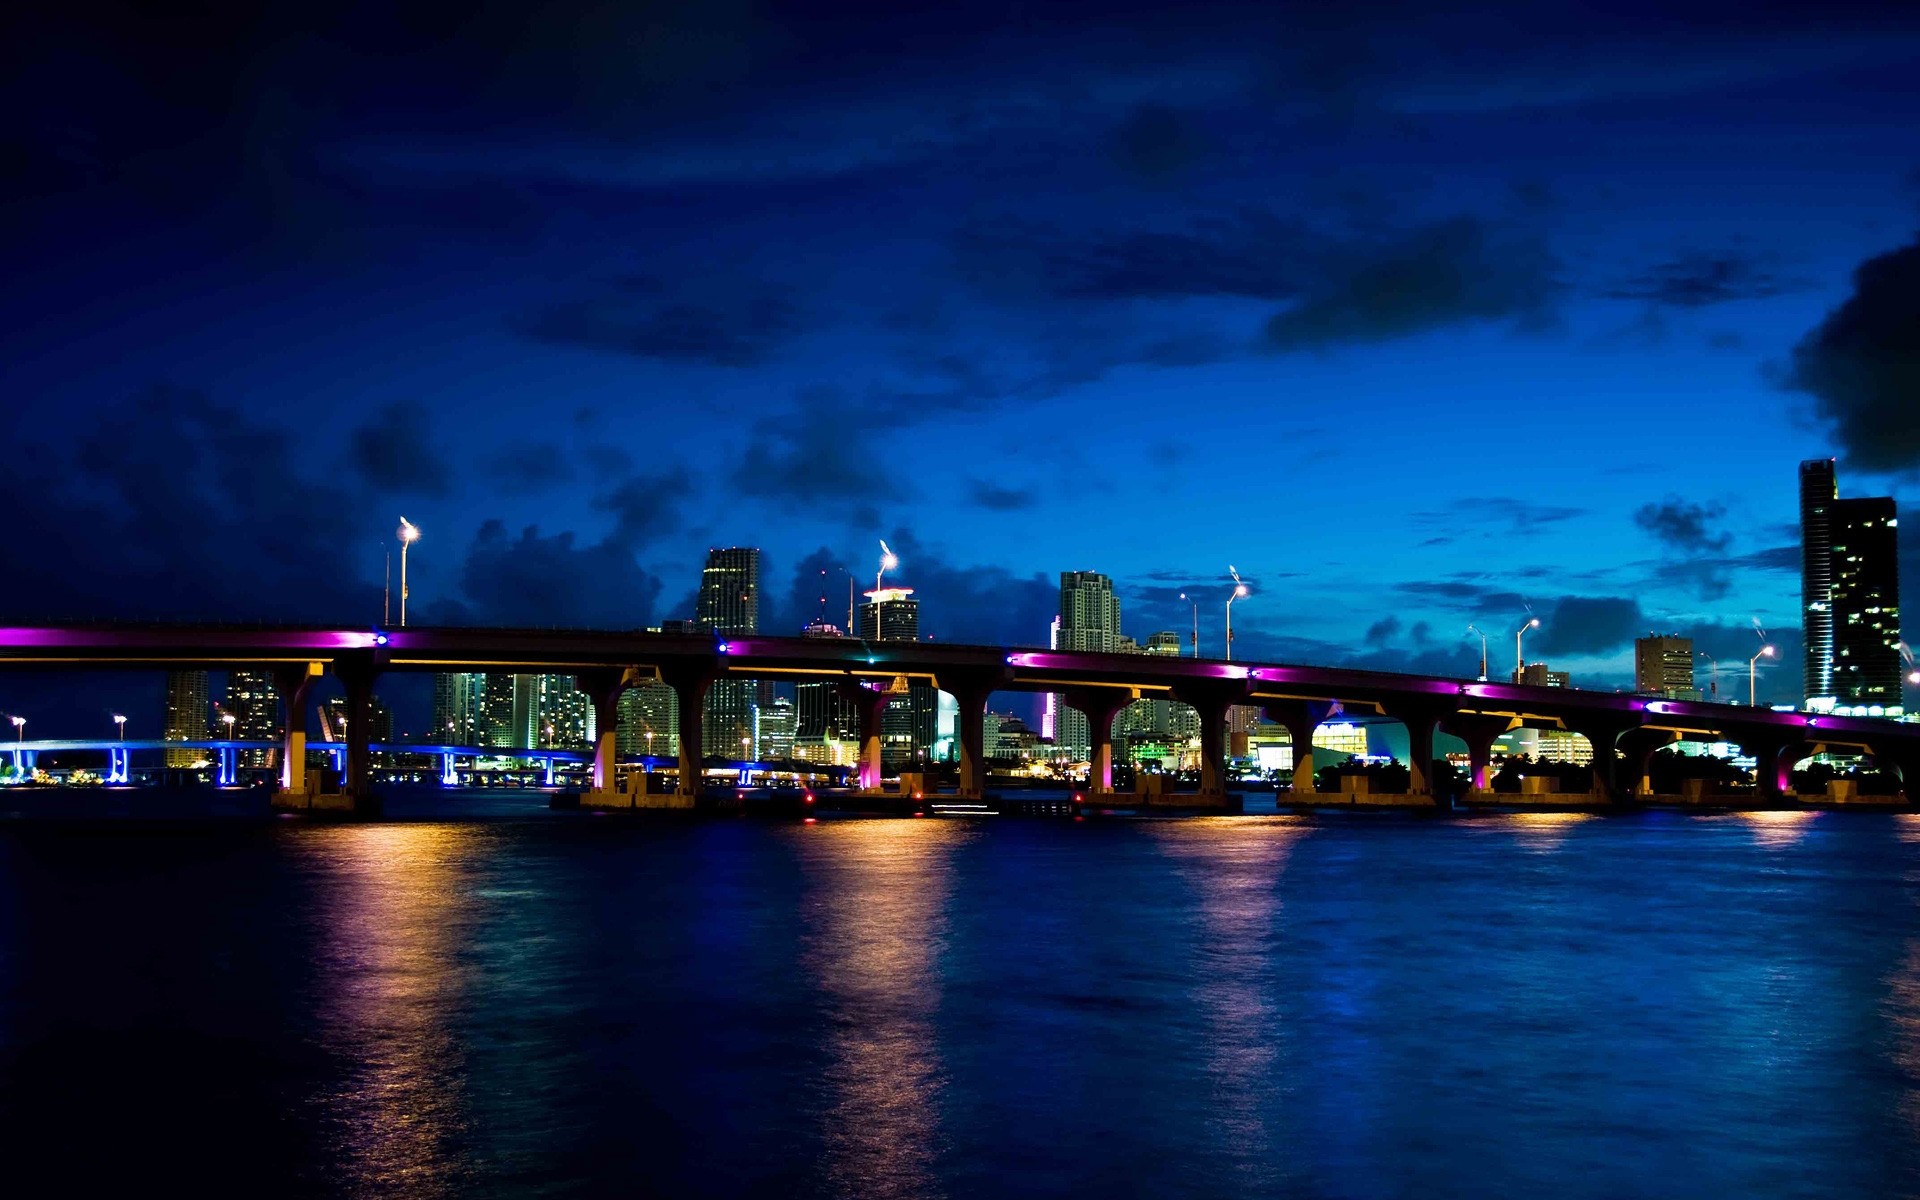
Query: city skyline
579,346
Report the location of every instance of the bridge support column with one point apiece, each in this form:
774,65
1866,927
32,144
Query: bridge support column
1101,706
1904,764
1773,759
118,770
356,674
292,683
1479,731
1300,718
970,694
604,689
1213,700
1637,749
871,705
1421,719
449,777
690,693
1604,737
226,773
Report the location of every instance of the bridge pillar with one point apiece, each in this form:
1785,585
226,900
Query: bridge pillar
1479,731
1212,699
1604,737
970,692
225,772
1101,706
604,689
1637,747
1300,718
1420,720
690,686
356,674
871,705
118,770
449,777
1905,764
1773,757
292,683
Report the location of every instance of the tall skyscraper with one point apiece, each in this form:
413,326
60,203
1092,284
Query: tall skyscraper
1850,597
1663,666
565,714
187,714
729,604
1818,490
773,730
497,713
909,726
459,709
1089,620
255,704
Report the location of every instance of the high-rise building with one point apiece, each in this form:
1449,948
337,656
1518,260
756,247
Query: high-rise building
1663,666
1089,620
729,603
459,708
909,725
1866,606
334,714
255,705
649,721
496,710
187,713
1850,597
565,719
773,730
1819,488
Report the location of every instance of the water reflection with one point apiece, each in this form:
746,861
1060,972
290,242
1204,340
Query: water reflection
1232,867
876,927
391,921
1776,830
1543,832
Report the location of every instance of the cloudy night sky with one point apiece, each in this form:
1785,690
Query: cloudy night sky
1418,318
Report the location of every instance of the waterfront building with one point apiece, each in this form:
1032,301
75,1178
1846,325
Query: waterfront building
186,716
565,716
773,730
1663,666
255,705
729,604
459,708
649,721
1849,597
1538,675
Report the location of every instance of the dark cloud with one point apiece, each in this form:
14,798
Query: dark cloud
633,316
1862,364
1464,596
972,603
1578,626
1157,142
1383,631
526,467
1697,280
996,498
1247,254
1684,525
398,451
1429,277
645,505
821,454
206,512
550,580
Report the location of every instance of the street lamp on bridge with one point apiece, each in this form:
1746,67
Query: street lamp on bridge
1483,650
409,534
120,725
1519,656
1713,675
1196,622
1239,590
1763,652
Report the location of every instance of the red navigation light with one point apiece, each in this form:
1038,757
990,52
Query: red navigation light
809,797
810,821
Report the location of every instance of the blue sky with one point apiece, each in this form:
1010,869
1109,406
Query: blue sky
1417,319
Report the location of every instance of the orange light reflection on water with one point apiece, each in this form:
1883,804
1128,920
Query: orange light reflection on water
391,904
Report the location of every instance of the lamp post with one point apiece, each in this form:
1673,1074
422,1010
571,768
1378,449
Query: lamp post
1196,622
409,534
1483,650
1763,652
19,728
229,718
120,725
1519,656
888,561
1713,675
1239,590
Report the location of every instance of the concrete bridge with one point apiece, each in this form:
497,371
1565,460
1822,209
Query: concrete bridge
1624,730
